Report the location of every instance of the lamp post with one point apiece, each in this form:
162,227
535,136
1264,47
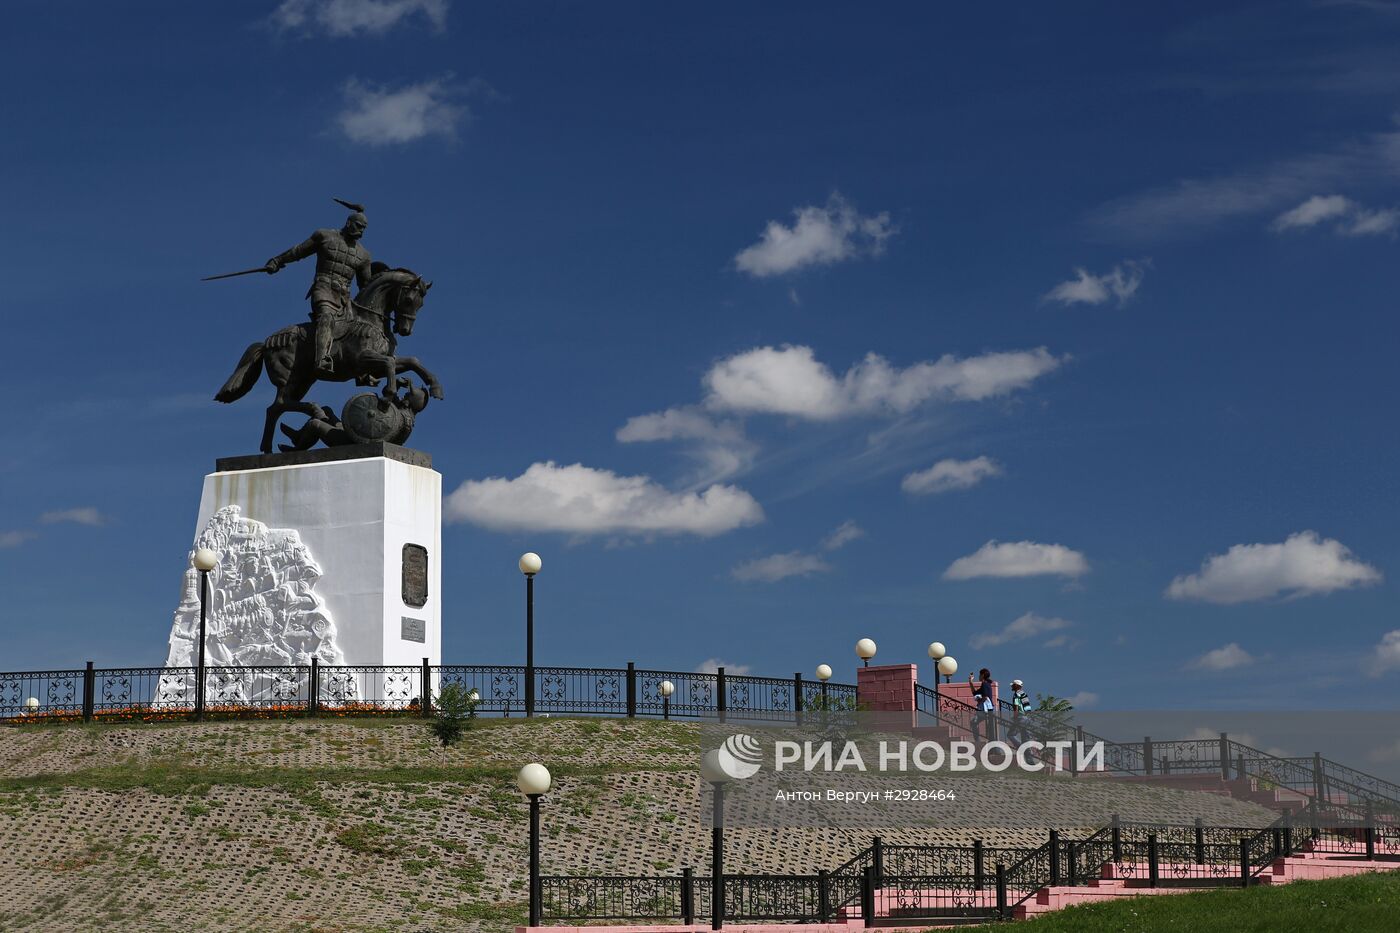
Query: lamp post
941,660
530,565
31,706
534,780
865,650
712,771
824,674
205,560
666,688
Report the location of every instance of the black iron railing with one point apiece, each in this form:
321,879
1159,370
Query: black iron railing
909,883
616,897
169,692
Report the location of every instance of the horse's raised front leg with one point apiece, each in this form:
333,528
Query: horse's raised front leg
381,366
412,364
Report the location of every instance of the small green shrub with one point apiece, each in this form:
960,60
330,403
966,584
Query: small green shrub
454,710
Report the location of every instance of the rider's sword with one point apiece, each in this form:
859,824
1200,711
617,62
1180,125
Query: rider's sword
229,275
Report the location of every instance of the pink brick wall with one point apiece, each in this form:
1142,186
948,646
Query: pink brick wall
888,690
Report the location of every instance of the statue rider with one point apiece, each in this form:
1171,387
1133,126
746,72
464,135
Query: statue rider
339,258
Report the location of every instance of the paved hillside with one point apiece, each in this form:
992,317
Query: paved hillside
358,824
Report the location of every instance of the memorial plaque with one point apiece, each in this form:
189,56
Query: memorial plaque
415,576
414,630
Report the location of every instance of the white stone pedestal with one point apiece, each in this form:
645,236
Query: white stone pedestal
313,552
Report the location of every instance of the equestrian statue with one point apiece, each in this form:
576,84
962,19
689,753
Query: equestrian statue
346,339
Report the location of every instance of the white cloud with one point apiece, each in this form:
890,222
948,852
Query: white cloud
1314,210
1243,738
1194,203
791,381
720,446
1370,223
1027,626
1225,657
711,665
777,567
87,515
819,236
1303,565
1387,653
844,534
582,500
948,475
1389,751
1351,218
1018,559
1121,282
378,116
9,539
1083,699
342,18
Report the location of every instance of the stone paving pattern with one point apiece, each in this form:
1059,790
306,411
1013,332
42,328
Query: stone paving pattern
341,825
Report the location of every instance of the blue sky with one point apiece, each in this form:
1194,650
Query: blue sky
732,291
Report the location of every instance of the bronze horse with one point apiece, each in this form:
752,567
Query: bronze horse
363,350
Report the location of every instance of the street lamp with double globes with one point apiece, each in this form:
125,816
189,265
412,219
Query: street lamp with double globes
943,663
865,650
530,565
205,560
666,688
534,780
712,771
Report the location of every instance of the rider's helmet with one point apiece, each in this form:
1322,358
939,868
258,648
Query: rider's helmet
355,224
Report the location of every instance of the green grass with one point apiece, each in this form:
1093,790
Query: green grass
177,774
1358,904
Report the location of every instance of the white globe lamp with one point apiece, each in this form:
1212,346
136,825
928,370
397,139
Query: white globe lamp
205,560
534,779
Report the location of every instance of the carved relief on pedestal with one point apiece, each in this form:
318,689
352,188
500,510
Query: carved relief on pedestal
263,612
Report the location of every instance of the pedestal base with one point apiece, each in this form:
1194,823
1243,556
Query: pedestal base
335,558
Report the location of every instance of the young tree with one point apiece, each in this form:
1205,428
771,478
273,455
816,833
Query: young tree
455,708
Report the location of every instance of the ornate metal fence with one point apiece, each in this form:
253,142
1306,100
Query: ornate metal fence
581,690
902,884
1082,860
1186,756
694,693
1018,882
169,692
41,693
499,689
941,882
1360,784
614,897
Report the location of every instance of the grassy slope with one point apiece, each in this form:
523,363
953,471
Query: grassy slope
357,824
309,826
1357,904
